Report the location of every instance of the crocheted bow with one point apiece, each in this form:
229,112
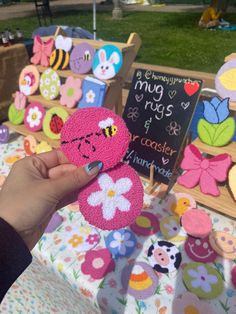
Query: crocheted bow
203,171
42,51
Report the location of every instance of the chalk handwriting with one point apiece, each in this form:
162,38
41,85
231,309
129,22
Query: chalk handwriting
150,88
147,164
147,125
149,75
139,75
159,109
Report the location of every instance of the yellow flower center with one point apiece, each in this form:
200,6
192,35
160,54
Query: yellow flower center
34,116
190,309
111,193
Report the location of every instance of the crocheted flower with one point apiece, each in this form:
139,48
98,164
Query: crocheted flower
113,200
201,279
189,303
20,101
121,242
34,117
97,263
70,92
111,196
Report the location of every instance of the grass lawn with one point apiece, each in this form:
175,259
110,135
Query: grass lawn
170,39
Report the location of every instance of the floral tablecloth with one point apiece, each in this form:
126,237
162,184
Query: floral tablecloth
54,282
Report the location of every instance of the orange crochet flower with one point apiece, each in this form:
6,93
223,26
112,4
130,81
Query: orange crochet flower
75,240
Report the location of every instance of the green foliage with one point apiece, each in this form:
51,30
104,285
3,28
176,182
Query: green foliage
168,39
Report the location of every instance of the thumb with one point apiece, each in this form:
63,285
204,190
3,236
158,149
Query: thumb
74,180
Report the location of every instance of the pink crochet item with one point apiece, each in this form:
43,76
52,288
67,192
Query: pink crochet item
113,200
71,92
92,134
42,51
34,115
197,223
20,101
98,263
203,171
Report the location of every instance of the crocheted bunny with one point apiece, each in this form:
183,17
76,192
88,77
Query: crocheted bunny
105,69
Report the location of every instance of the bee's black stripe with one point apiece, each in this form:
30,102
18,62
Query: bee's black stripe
63,59
55,59
110,131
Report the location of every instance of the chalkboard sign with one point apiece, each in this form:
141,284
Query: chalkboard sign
158,114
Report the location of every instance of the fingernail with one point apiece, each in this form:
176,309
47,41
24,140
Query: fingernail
93,168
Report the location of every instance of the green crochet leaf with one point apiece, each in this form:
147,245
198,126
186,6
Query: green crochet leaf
206,131
216,134
224,132
15,116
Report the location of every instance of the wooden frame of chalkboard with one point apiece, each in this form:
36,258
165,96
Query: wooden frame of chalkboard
158,114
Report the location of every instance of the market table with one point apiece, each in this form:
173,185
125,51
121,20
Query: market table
54,282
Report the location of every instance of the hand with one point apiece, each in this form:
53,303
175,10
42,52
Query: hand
36,187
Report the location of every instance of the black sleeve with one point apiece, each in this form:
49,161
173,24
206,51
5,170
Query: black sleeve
14,257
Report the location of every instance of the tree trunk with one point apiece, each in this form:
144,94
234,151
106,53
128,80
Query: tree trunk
117,11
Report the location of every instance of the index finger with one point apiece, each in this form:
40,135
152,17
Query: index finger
53,158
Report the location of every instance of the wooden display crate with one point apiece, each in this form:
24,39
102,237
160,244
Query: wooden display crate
224,203
113,97
39,136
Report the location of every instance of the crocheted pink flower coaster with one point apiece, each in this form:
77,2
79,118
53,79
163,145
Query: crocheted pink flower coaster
114,199
92,134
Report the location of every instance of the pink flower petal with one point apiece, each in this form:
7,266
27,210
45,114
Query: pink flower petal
75,84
